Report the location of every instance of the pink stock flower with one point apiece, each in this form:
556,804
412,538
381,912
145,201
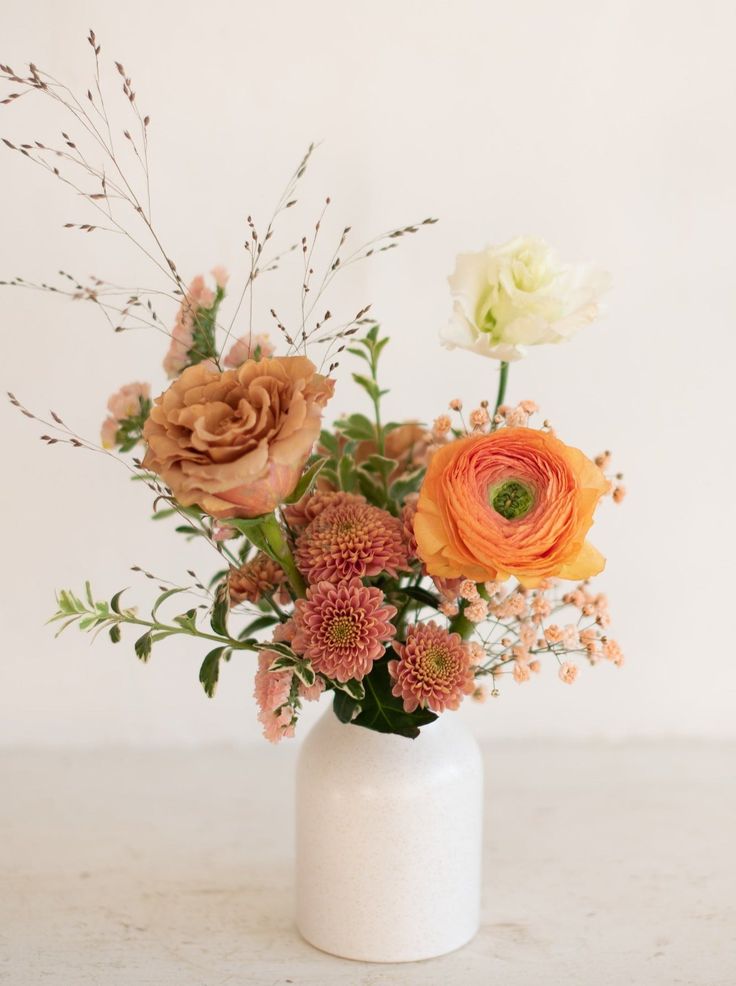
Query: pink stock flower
272,692
342,629
246,347
351,539
124,403
433,670
182,335
221,276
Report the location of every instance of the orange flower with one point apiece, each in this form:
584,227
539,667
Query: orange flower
235,443
515,502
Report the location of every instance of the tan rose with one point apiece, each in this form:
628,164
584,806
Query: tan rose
235,443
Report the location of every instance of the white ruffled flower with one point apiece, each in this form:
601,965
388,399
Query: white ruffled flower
517,295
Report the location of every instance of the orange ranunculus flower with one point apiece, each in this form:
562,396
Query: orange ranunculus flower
515,502
235,443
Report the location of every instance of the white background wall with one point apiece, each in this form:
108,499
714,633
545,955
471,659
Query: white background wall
608,128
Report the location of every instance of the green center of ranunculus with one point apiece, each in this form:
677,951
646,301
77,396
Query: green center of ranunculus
511,499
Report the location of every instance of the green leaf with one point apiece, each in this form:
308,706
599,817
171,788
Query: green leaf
369,386
260,623
283,663
384,712
421,595
160,601
209,672
305,673
283,649
358,427
330,442
361,353
355,689
307,481
115,602
114,632
371,490
220,609
188,620
408,483
345,707
143,646
380,464
346,473
252,529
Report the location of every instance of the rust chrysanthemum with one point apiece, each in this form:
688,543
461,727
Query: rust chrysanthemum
301,514
433,670
342,629
254,578
351,539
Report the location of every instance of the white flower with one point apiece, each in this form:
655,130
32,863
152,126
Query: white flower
517,295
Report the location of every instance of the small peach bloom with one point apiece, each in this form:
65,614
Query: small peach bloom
479,418
613,652
535,666
527,634
449,609
570,636
619,492
468,590
476,652
521,673
480,694
456,404
516,418
477,611
520,653
492,587
553,634
568,672
529,407
441,426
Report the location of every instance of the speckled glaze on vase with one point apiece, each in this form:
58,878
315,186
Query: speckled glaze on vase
389,834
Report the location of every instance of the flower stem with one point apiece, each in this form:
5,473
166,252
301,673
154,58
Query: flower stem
502,381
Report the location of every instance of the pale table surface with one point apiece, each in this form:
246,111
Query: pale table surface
605,864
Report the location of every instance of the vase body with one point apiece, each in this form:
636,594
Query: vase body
389,835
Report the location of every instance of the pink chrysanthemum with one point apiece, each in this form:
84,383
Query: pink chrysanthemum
408,513
301,514
342,629
272,693
433,670
351,539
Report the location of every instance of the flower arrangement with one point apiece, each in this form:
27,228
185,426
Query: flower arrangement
401,567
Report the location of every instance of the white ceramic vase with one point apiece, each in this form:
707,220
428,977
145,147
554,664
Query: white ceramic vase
389,834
